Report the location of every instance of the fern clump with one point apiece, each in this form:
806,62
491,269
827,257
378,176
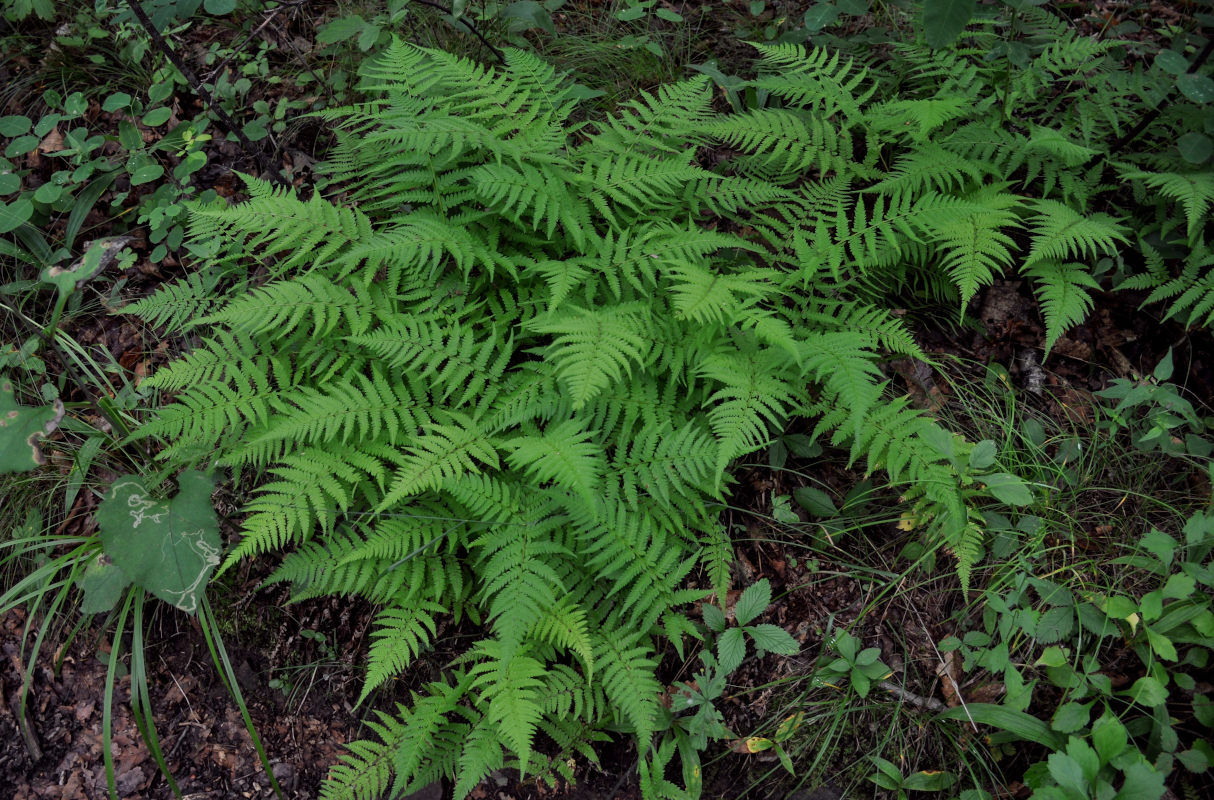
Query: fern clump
502,372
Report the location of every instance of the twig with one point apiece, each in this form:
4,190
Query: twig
930,703
501,59
203,94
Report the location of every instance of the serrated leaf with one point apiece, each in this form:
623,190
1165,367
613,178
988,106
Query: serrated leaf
731,649
1148,691
983,455
169,547
773,639
714,618
753,602
1142,782
1070,717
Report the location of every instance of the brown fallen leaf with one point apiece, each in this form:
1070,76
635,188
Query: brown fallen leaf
52,142
949,671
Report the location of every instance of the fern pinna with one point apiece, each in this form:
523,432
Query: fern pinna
502,371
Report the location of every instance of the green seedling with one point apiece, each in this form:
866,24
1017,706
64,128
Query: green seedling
860,667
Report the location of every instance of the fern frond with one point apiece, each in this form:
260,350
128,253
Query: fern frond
593,348
1059,232
443,452
1062,290
399,637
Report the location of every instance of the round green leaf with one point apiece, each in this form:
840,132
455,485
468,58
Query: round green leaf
1070,717
75,105
9,183
146,174
819,16
157,116
1173,62
1195,147
169,547
48,193
116,102
1197,88
15,125
20,146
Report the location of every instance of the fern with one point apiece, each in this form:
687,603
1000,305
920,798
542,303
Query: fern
503,372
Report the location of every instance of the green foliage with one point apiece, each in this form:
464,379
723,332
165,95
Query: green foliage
530,337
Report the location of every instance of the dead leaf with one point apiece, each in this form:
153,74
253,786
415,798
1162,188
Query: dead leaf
949,671
52,142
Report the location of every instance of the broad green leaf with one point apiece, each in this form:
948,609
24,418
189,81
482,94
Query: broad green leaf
1173,62
1198,759
20,429
1142,782
753,602
816,502
1203,709
1198,88
943,20
714,618
773,639
1195,147
219,7
1055,624
1070,717
102,583
929,781
146,174
819,16
983,455
1109,736
731,649
1148,691
1179,586
1008,489
1018,723
169,547
15,214
157,117
14,126
1161,645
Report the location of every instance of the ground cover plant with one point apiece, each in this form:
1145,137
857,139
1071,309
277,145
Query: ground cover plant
499,371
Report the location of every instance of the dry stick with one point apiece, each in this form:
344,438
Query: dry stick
501,59
203,94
